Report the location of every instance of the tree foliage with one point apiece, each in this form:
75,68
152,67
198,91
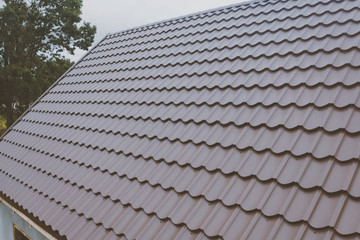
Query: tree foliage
33,36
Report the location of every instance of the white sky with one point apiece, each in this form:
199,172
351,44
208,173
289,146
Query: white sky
111,16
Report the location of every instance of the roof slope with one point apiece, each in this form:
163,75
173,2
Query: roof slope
237,123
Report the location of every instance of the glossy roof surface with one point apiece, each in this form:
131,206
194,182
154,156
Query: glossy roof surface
238,123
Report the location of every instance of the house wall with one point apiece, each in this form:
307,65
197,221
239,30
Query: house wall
7,219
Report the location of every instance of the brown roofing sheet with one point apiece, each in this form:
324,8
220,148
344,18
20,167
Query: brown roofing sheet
236,123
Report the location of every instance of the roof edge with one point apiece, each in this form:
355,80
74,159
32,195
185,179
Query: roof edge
147,25
47,90
27,219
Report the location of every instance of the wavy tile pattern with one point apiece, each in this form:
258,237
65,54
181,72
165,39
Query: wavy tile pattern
241,122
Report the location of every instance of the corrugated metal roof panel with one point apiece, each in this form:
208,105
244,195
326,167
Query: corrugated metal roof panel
235,123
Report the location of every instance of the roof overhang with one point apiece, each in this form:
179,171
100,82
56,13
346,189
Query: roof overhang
27,219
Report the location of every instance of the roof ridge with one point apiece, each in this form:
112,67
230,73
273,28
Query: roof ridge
240,45
114,35
246,3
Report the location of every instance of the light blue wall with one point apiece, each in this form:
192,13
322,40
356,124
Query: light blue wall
7,219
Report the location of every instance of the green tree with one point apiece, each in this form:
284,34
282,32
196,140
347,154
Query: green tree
33,36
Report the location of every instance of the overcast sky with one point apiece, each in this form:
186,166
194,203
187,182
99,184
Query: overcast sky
111,16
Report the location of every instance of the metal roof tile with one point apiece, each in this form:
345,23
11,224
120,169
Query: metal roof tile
235,123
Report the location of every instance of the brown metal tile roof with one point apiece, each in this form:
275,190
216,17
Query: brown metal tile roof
238,123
